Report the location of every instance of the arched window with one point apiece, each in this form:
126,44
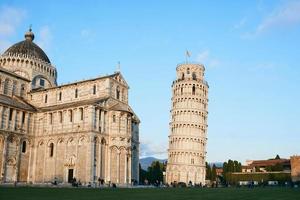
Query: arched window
6,86
192,161
51,149
103,141
10,114
24,147
194,76
71,115
94,89
23,117
50,118
81,113
42,82
188,71
14,88
114,118
59,96
22,90
193,90
60,117
76,93
181,91
182,76
46,98
118,93
123,96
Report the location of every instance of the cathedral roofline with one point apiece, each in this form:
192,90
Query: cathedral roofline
74,104
16,102
74,83
13,74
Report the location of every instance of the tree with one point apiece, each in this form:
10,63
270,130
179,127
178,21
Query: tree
214,172
225,168
208,171
153,174
157,173
143,174
277,168
268,168
237,166
229,167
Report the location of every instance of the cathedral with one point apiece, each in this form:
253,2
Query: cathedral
84,130
188,126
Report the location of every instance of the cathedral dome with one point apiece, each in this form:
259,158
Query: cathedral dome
27,48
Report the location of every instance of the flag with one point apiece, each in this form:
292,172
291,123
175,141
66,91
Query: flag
188,54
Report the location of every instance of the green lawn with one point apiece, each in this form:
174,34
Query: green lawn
30,193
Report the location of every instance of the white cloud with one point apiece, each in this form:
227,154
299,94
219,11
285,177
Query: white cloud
240,24
286,15
10,19
149,148
44,38
85,33
205,58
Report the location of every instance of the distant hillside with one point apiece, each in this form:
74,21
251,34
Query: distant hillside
218,164
146,162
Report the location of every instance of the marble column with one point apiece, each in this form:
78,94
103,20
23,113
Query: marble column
1,114
102,121
118,167
108,164
4,157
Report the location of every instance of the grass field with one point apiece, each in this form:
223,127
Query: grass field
26,193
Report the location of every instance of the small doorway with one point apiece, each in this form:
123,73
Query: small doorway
70,175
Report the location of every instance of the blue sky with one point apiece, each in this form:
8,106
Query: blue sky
250,50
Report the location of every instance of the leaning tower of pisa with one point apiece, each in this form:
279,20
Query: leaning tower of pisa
188,126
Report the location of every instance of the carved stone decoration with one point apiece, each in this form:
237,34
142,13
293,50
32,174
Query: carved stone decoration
60,141
82,140
11,161
70,161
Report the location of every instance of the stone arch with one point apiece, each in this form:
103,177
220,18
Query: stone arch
37,79
82,140
60,141
103,141
25,145
123,165
71,141
12,151
114,171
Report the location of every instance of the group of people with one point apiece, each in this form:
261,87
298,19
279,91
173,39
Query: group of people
75,183
101,183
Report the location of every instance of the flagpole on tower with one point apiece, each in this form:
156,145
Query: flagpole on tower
187,56
119,66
